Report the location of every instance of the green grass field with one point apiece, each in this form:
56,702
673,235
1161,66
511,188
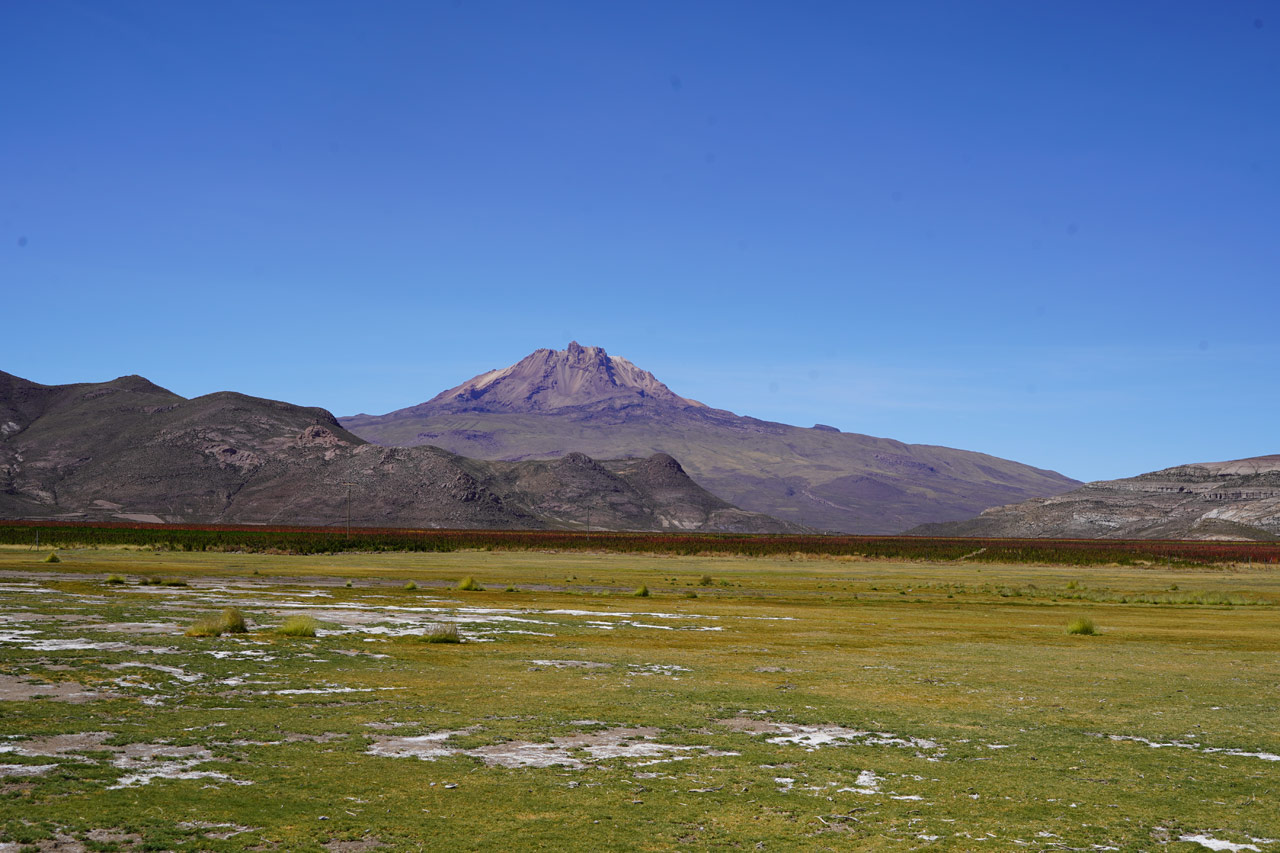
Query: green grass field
765,703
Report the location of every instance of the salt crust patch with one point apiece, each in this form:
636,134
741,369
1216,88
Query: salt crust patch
30,643
571,664
224,830
145,762
1219,750
138,627
565,751
176,671
25,769
1216,844
815,737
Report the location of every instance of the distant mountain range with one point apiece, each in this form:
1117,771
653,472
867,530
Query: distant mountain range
131,450
1212,500
581,399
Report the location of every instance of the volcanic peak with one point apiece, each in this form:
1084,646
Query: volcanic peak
548,380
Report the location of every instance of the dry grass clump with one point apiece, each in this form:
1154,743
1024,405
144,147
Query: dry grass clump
705,580
115,580
443,633
642,592
233,621
52,558
410,586
446,633
468,584
209,626
1082,625
229,621
298,626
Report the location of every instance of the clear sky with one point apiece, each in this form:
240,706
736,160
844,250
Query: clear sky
1044,230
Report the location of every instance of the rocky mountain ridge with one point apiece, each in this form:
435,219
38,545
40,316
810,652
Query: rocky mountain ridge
1237,499
129,449
547,380
581,399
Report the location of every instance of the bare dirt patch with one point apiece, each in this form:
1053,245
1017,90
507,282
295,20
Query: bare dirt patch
17,689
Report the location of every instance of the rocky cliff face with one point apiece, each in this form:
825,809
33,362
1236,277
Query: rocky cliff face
130,450
581,399
1239,499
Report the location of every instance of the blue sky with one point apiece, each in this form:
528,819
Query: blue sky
1048,231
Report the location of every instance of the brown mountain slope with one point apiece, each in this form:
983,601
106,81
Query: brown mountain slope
581,399
1214,500
128,449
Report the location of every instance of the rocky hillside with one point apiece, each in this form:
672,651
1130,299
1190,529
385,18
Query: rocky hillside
581,399
131,450
1212,500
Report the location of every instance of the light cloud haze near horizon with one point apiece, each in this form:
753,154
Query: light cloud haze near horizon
1046,231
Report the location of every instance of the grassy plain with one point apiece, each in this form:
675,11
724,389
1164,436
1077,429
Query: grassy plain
794,704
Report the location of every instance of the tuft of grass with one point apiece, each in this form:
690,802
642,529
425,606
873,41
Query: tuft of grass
175,582
443,633
115,580
298,626
52,558
469,584
209,626
410,586
642,592
705,580
233,621
690,594
446,633
348,584
510,589
1082,625
229,621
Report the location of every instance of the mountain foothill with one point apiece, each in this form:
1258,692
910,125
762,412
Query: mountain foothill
562,439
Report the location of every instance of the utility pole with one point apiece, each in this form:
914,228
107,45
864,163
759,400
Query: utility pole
348,485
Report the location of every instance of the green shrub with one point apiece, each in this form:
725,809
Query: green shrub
1081,625
53,557
115,580
298,626
469,584
642,592
410,586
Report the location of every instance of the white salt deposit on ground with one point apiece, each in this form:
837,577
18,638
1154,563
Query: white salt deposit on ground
815,737
1208,750
1216,844
25,769
565,751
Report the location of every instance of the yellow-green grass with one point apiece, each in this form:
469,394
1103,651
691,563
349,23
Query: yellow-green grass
970,656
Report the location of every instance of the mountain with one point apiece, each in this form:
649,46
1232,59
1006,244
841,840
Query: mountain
131,450
581,399
1212,500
